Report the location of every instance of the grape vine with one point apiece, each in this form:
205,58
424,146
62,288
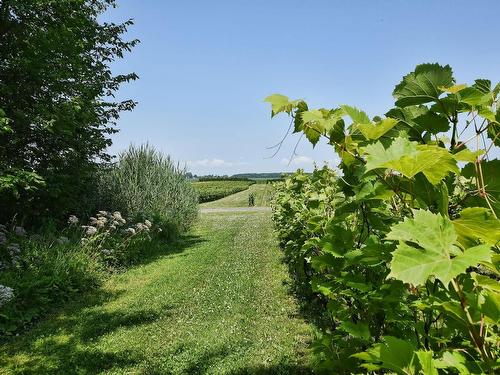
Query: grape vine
402,247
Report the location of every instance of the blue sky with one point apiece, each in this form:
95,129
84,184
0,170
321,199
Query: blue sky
205,67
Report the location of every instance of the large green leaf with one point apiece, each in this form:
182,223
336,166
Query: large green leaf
375,131
410,158
359,330
454,360
468,155
477,223
423,85
317,122
427,364
474,96
357,116
281,103
426,248
432,122
379,157
392,354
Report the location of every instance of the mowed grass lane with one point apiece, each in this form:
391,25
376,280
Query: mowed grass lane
262,194
217,304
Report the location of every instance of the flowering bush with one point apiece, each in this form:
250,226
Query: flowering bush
37,270
116,240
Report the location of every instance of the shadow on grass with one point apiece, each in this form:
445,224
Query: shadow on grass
206,363
160,248
279,369
65,340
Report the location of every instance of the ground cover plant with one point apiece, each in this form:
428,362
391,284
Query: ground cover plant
216,189
40,271
401,249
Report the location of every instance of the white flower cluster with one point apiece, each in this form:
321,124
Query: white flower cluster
73,220
107,222
6,294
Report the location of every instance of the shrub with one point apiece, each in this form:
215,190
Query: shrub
39,271
403,249
146,183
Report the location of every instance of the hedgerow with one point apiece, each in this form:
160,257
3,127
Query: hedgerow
402,247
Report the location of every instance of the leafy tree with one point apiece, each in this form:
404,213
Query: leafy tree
56,96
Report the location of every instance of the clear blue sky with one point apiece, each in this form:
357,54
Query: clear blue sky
205,67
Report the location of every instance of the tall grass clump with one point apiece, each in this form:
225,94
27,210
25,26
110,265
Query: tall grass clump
147,183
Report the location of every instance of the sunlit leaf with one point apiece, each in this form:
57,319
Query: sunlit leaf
435,253
477,223
423,85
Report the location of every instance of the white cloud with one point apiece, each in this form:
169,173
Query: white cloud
213,163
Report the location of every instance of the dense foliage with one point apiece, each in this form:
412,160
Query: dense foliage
402,248
57,112
56,102
146,183
39,271
212,190
222,178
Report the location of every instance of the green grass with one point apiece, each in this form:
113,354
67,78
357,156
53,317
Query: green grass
217,303
262,198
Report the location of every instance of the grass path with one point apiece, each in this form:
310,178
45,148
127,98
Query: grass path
262,194
217,304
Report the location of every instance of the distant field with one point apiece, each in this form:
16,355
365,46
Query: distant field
262,194
212,190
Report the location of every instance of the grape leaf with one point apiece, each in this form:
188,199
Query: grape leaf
375,131
430,250
454,360
378,156
477,223
281,103
392,354
357,330
424,85
468,155
474,97
357,116
483,85
453,89
432,123
426,362
409,158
